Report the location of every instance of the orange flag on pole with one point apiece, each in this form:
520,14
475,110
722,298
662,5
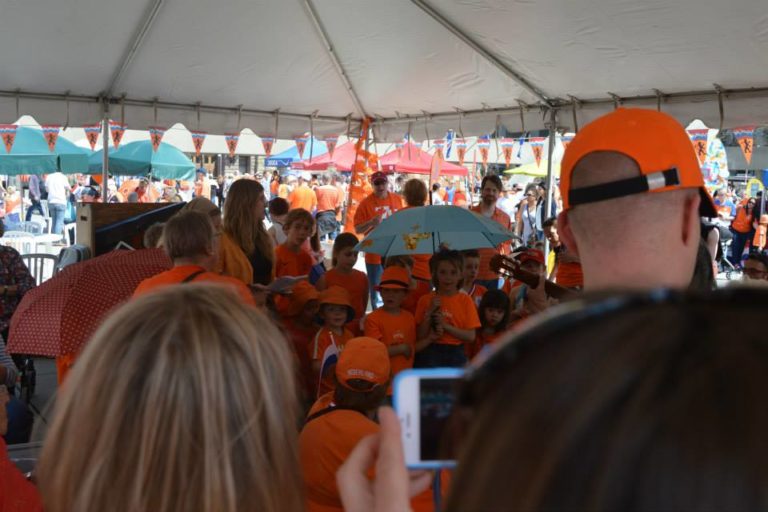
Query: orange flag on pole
359,187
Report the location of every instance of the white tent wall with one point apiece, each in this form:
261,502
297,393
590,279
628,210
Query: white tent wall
243,60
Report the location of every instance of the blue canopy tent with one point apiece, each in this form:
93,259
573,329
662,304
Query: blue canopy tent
290,155
30,154
139,158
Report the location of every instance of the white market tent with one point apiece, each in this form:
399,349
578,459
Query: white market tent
285,67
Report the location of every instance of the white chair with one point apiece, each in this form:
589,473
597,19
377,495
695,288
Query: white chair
19,240
41,266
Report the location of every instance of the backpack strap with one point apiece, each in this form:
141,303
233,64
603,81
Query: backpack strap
191,277
328,410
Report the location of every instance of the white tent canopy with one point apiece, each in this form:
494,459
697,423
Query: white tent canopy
422,66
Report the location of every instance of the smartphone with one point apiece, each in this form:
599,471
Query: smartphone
424,400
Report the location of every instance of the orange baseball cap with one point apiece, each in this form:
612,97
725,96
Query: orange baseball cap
301,293
654,140
396,278
364,359
340,297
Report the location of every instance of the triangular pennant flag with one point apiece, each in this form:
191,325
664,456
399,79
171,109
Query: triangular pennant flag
330,142
437,163
744,135
506,147
537,145
92,134
439,145
118,130
566,139
699,140
484,144
267,141
156,136
301,143
51,134
461,150
8,133
198,138
231,140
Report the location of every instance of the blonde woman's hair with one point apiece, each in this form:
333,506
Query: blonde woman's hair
184,400
240,223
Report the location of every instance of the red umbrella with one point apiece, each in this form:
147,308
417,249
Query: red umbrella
59,316
411,159
343,159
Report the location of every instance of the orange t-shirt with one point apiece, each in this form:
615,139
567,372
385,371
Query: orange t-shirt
322,402
283,191
324,445
476,292
11,203
505,222
372,206
481,340
421,266
327,198
303,197
289,263
393,330
317,347
412,299
458,310
176,275
300,338
274,186
569,275
460,199
743,222
356,284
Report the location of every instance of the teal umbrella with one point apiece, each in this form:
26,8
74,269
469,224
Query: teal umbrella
139,159
425,229
30,155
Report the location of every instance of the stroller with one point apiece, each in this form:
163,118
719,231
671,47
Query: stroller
723,262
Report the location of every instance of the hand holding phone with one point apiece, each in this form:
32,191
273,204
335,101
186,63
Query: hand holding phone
424,403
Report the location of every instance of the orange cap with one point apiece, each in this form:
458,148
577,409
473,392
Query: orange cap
365,359
654,140
301,293
395,277
531,255
338,296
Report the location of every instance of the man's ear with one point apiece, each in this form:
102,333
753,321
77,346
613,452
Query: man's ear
691,228
566,235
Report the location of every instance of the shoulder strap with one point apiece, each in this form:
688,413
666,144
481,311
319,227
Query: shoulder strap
328,410
191,277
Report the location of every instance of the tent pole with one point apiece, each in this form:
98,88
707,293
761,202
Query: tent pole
105,153
552,125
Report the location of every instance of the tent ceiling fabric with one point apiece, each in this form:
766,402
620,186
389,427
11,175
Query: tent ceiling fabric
400,61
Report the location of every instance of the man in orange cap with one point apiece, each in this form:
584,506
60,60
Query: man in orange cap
370,212
632,195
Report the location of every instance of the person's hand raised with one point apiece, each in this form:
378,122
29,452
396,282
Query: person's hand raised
393,486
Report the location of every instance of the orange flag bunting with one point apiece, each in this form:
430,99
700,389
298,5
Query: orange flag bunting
92,134
744,135
439,145
156,136
118,130
268,142
699,140
330,143
301,143
484,144
537,145
434,170
506,148
51,134
461,150
231,140
8,133
198,138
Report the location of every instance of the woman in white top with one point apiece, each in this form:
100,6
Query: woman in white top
526,217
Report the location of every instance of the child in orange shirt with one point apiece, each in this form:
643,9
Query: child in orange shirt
494,318
418,287
297,312
335,311
343,274
290,258
391,324
470,272
449,315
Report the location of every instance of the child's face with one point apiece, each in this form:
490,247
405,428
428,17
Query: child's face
334,315
310,311
471,269
493,316
393,297
552,236
346,257
299,232
447,275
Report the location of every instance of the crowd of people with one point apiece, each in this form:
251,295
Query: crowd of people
251,377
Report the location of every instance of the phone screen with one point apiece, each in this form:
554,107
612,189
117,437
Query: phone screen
436,397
